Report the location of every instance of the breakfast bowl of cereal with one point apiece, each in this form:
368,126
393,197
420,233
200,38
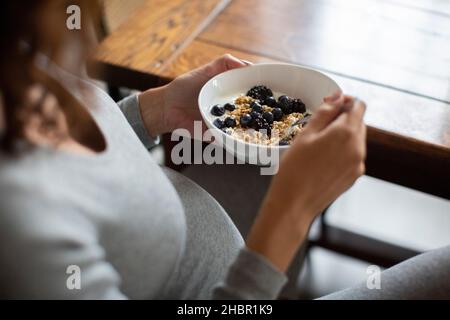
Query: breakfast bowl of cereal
257,111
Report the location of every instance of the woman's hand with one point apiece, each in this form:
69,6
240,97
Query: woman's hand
322,163
175,105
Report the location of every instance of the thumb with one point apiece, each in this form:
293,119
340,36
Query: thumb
229,62
323,117
224,63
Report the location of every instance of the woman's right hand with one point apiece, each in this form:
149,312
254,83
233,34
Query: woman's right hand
322,163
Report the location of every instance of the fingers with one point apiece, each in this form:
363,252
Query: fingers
345,102
222,64
357,113
341,109
332,98
350,118
363,135
230,62
248,63
323,117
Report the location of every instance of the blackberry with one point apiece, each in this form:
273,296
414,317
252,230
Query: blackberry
298,106
255,115
266,127
219,123
277,114
285,104
271,102
258,123
245,120
230,122
260,92
229,106
256,107
217,110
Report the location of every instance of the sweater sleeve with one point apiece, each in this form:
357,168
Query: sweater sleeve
250,277
130,108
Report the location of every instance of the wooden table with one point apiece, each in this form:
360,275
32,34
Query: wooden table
394,54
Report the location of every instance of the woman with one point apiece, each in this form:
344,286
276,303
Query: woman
80,192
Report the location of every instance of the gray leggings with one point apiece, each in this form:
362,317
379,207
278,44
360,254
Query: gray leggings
213,240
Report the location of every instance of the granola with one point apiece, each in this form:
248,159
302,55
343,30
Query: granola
258,117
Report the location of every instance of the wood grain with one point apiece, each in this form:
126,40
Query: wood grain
388,43
391,53
391,110
406,145
117,12
158,30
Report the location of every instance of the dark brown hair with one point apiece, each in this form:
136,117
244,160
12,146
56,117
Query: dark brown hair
29,27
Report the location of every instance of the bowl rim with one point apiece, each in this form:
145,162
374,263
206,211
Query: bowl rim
209,123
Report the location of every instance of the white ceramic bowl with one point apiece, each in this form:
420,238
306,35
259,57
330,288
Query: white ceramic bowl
293,80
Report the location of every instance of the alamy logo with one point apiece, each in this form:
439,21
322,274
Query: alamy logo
374,277
73,21
73,281
221,149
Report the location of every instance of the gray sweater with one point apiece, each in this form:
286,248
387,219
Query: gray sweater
115,217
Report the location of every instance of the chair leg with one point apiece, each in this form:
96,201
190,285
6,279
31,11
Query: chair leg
361,247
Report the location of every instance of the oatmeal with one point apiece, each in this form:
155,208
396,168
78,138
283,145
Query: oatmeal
258,117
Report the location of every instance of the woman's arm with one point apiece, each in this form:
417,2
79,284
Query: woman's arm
164,109
175,105
130,107
321,164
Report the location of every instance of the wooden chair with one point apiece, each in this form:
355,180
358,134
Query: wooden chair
113,14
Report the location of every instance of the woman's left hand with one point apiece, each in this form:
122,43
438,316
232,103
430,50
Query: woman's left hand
175,105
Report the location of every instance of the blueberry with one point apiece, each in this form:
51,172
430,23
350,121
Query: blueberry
255,115
268,116
219,123
217,110
230,122
298,106
256,107
283,98
271,102
277,114
283,143
229,106
245,120
285,104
